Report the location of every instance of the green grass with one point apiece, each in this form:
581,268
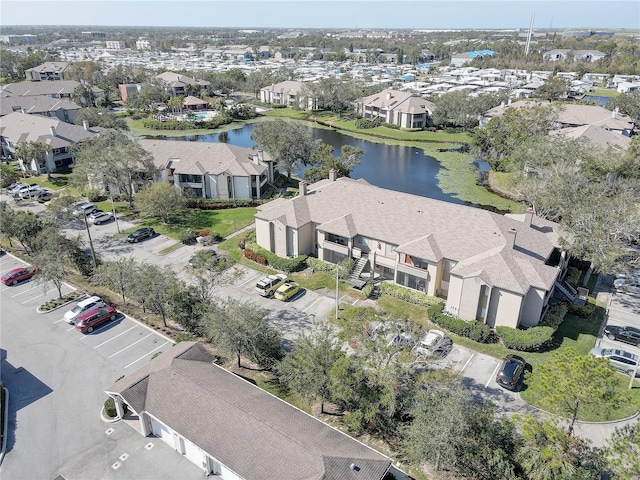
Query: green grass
604,92
136,129
57,182
223,222
122,208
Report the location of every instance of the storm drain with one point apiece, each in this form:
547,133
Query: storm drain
149,446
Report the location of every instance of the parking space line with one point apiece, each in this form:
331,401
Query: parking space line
22,293
128,346
465,365
145,355
493,375
318,300
107,341
37,296
253,277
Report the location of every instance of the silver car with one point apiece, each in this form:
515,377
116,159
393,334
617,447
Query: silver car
623,361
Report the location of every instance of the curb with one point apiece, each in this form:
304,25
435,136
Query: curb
5,421
108,419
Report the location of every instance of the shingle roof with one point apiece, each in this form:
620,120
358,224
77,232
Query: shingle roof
21,127
426,228
597,135
63,87
35,104
198,158
289,86
404,102
250,431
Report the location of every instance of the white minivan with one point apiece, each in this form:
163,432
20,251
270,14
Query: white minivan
84,306
268,285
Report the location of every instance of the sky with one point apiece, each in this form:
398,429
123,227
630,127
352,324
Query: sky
343,14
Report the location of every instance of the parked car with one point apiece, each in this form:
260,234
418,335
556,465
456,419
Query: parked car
287,291
92,319
100,217
204,258
19,274
268,285
631,286
84,209
85,305
43,196
432,341
511,373
619,359
141,234
30,192
623,334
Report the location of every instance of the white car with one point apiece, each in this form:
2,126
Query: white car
84,306
100,217
31,191
433,340
632,286
85,209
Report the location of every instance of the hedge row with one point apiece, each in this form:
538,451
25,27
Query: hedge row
530,340
344,268
365,123
408,295
555,315
287,265
214,122
584,311
209,203
251,255
474,330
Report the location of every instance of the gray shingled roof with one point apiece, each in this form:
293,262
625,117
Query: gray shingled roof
597,135
198,158
288,86
21,127
36,104
404,102
427,228
249,430
62,87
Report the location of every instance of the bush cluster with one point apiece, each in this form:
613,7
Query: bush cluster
530,340
584,311
365,123
110,408
255,257
555,315
219,204
408,295
391,125
188,237
211,123
367,290
474,330
286,265
573,276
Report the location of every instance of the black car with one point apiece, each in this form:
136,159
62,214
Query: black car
141,234
623,334
511,372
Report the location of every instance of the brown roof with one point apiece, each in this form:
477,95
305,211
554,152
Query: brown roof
199,158
21,127
404,102
250,431
426,228
599,136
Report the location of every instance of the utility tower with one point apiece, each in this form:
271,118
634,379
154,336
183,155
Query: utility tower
528,45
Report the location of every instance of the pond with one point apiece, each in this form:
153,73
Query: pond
395,167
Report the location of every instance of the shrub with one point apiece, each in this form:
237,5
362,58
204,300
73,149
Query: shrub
476,331
188,237
555,315
204,233
365,123
391,125
367,290
94,196
531,340
584,311
408,295
110,408
573,276
286,265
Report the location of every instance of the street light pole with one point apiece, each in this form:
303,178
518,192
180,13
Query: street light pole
93,252
337,265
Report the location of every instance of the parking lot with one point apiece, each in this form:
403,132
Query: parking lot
56,378
623,309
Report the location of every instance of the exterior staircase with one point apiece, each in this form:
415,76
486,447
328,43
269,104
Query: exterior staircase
567,291
354,276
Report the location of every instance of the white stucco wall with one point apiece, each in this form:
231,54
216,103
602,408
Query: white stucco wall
470,294
263,235
241,187
507,307
280,238
212,186
306,239
454,296
532,307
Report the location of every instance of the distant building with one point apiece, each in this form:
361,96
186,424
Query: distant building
559,55
461,59
48,71
179,84
18,39
286,93
94,34
127,89
399,108
144,44
115,45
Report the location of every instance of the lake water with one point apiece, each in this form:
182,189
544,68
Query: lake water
395,167
602,101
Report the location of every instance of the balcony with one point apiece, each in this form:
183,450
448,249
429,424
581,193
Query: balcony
336,247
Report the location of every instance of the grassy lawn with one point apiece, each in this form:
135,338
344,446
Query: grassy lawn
223,221
136,129
604,92
57,182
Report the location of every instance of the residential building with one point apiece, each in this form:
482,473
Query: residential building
487,267
598,136
18,39
211,170
287,93
194,103
231,428
399,108
461,59
115,45
145,44
127,89
57,89
48,71
181,84
19,127
559,55
62,109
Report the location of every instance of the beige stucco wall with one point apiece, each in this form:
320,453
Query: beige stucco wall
306,239
532,307
263,236
453,298
507,305
469,296
280,238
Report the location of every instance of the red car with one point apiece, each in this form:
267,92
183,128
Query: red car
19,274
88,321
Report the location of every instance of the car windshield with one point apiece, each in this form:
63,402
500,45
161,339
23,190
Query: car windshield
76,309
